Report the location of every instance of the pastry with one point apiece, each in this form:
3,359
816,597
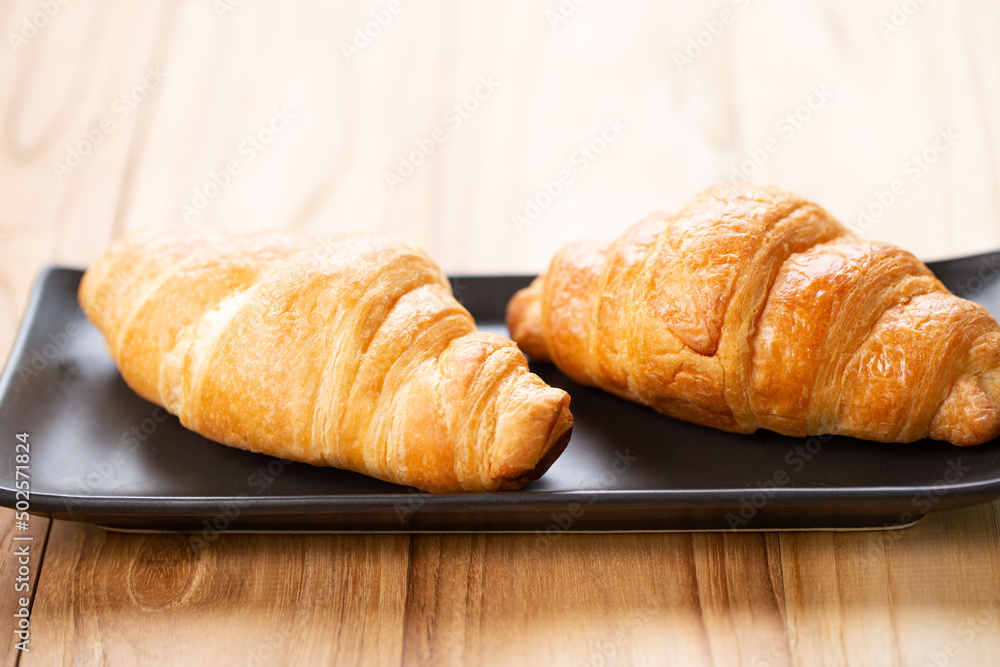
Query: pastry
349,352
752,308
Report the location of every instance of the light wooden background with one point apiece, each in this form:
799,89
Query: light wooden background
902,598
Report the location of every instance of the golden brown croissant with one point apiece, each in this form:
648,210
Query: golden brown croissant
350,352
752,308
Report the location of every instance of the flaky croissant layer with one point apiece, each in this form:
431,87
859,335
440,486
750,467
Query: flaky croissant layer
349,351
752,308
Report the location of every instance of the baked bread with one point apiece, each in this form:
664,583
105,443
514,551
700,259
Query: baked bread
349,352
752,308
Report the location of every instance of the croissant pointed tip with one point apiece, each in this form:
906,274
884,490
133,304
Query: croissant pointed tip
551,438
524,321
969,415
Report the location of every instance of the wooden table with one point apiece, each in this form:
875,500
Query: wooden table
120,114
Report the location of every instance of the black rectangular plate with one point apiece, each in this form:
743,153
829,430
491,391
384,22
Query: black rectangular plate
99,453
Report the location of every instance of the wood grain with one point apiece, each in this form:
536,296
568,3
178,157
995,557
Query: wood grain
927,595
898,597
154,599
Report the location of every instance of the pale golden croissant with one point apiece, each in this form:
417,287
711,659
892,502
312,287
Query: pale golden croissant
752,308
350,352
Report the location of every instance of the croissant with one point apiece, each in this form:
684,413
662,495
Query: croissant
348,352
752,308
